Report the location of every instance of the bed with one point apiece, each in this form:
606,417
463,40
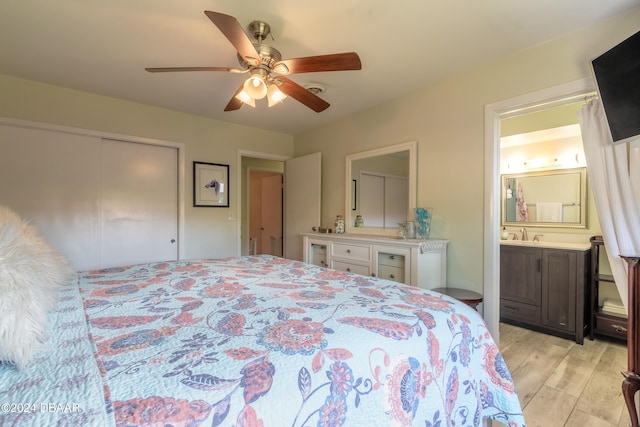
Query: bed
257,341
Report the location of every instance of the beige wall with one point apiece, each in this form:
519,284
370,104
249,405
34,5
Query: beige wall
208,231
447,120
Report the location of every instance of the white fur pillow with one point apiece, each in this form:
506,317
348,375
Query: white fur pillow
31,273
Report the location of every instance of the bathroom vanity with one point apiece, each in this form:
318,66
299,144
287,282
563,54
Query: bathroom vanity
421,263
544,286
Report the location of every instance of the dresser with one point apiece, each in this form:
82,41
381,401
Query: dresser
421,263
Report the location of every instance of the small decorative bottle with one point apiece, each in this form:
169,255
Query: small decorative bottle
359,222
339,225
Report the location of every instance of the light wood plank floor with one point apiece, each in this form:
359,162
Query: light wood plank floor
564,384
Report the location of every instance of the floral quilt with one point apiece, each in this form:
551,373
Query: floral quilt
261,341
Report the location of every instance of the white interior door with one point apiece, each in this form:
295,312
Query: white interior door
302,192
139,203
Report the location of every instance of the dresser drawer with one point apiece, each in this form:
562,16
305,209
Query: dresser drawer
319,255
392,260
365,270
391,273
356,252
519,311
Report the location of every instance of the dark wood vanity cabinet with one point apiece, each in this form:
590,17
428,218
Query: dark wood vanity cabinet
545,289
520,290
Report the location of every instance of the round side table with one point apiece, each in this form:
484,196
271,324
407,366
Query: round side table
468,297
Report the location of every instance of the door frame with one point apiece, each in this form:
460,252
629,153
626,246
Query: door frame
493,114
123,138
239,179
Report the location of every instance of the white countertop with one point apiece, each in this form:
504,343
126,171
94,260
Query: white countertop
550,245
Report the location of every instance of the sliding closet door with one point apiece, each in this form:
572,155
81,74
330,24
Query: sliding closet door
100,203
139,214
51,179
372,199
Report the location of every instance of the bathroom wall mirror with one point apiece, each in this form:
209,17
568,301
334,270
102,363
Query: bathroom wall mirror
381,187
551,198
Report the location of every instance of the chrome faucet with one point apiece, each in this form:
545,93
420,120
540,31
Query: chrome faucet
524,233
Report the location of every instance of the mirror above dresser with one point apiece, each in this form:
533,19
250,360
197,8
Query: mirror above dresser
380,186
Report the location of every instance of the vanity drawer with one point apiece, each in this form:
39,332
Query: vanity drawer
365,270
519,311
392,260
611,326
391,273
361,253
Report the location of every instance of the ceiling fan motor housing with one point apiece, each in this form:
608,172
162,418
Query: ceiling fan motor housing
269,56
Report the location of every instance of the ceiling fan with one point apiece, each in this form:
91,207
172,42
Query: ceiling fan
267,68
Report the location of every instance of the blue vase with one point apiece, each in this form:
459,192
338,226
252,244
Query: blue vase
423,222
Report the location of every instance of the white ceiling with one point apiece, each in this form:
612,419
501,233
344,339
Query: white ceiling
103,46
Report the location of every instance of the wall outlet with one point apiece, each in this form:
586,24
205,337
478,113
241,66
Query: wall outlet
232,216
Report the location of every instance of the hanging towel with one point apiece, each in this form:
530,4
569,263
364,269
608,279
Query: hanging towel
614,306
549,212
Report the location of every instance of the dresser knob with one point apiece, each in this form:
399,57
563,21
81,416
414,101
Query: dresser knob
348,251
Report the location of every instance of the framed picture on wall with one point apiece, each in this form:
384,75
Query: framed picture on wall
210,185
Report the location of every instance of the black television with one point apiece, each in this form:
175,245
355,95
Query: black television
617,75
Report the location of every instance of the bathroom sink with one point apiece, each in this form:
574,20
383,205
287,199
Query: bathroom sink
544,244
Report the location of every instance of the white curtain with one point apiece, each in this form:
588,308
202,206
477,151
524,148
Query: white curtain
610,181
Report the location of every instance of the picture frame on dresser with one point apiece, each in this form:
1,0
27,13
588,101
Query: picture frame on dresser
210,185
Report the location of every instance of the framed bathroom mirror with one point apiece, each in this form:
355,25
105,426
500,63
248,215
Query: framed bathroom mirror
381,187
550,198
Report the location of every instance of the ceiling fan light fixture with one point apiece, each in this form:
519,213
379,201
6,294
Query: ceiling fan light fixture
274,95
244,97
255,87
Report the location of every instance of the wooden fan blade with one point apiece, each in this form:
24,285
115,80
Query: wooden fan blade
232,30
235,103
302,95
311,64
173,69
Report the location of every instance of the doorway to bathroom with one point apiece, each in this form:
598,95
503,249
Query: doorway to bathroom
521,115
